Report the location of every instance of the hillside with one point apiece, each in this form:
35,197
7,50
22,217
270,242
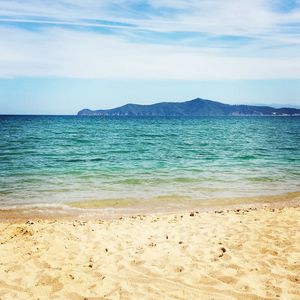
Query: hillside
196,107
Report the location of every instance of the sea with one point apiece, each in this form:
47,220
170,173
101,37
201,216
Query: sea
61,159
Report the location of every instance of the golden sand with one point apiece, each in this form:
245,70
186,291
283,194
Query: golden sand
227,254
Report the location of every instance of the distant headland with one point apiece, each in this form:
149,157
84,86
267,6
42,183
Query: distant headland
196,107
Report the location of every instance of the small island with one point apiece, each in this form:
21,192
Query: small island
194,108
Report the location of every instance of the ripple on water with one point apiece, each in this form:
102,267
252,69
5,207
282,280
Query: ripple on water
54,158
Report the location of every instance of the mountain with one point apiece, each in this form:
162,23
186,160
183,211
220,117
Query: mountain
196,107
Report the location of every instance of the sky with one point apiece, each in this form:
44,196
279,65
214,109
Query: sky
59,56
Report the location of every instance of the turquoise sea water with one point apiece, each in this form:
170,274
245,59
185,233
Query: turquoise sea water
55,159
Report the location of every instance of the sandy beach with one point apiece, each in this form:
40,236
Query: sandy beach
149,150
248,253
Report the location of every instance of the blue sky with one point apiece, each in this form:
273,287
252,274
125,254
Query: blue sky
57,57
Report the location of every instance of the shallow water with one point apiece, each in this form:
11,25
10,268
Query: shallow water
55,159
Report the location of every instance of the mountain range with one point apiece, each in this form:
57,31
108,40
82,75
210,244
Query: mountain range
195,107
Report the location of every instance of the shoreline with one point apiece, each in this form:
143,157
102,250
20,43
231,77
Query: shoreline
113,209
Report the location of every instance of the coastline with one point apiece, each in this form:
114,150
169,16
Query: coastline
114,209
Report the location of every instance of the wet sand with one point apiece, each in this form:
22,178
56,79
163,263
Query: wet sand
249,252
112,209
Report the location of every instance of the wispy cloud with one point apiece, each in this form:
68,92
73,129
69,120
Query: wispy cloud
155,39
210,16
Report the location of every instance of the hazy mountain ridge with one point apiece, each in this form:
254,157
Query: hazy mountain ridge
195,107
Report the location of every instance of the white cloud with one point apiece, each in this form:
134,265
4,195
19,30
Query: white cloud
67,53
245,18
56,51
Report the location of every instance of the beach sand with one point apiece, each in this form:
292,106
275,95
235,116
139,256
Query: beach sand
249,253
